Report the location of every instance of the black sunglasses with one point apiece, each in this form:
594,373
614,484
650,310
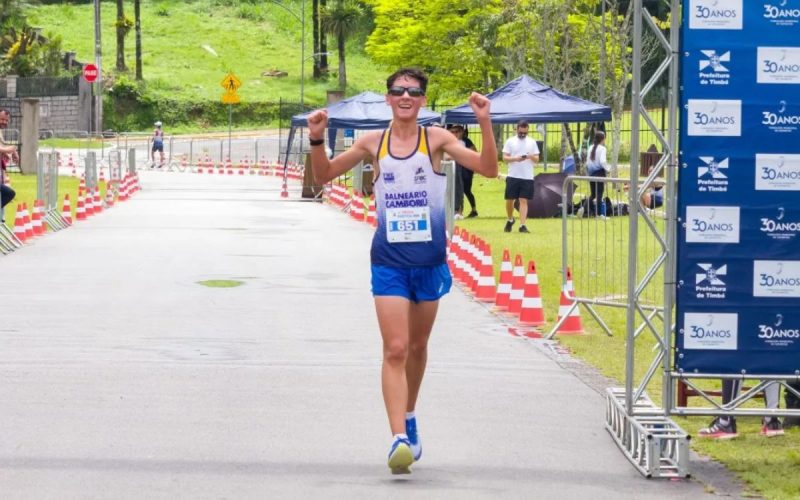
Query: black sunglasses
412,91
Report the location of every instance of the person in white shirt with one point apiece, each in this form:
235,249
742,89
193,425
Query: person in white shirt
519,152
596,166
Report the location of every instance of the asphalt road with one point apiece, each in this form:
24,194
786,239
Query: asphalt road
122,377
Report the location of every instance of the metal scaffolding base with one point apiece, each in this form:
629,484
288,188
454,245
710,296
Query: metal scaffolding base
653,443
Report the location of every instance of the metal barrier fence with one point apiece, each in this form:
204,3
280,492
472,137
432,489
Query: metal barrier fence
595,249
40,86
47,189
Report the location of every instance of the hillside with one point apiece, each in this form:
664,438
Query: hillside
248,39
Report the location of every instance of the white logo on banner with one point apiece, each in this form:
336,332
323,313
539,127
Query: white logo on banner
708,283
711,175
780,227
711,331
712,71
782,13
715,117
777,172
715,14
776,278
712,224
777,334
779,65
779,120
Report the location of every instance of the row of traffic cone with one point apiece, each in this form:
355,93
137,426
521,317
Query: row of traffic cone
518,292
28,225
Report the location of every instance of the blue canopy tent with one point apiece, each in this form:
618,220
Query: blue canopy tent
364,111
527,99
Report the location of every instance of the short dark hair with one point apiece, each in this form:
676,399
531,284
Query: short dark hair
522,124
414,73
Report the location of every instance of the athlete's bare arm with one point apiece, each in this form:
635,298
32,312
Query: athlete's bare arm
326,169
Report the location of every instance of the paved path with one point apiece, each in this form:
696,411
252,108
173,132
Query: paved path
124,378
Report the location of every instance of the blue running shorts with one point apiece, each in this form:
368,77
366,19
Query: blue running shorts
413,283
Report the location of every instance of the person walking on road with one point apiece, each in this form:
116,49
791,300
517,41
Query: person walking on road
158,145
519,152
408,255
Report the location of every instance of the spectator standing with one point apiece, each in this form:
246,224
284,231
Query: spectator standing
8,153
158,145
464,176
520,153
597,166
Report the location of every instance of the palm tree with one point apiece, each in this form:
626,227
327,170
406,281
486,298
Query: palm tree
138,26
340,18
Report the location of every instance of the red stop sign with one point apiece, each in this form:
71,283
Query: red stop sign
90,72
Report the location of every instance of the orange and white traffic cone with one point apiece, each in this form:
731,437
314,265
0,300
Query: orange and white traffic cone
451,251
372,218
98,202
66,210
109,195
357,206
461,257
473,262
38,222
80,210
28,222
88,203
568,308
532,313
19,225
284,188
517,286
486,289
503,296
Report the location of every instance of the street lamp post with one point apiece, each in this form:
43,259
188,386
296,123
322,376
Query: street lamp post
98,52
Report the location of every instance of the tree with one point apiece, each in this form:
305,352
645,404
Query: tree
316,36
323,42
456,43
138,23
340,18
123,26
12,13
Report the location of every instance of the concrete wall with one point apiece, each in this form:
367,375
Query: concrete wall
57,113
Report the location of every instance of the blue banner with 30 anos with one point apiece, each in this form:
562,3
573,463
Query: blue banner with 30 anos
738,295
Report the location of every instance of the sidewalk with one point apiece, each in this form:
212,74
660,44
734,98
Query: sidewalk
124,378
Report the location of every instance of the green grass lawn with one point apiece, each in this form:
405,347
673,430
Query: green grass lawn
248,39
767,465
75,143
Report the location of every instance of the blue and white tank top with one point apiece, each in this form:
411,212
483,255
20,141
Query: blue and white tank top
410,203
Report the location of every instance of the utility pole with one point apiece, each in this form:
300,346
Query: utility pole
98,55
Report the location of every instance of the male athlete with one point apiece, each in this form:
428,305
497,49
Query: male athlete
409,269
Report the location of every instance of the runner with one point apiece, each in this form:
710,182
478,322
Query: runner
409,269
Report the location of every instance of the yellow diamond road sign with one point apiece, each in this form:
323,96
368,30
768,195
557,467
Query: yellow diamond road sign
230,83
230,98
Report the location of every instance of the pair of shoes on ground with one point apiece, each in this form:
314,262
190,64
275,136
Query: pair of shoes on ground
726,429
458,216
406,449
510,224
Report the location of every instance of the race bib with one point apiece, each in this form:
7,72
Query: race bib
408,225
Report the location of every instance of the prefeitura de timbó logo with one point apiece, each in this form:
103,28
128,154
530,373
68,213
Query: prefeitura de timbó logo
776,278
778,65
709,283
710,331
781,119
777,172
713,70
777,334
715,14
711,175
782,12
779,226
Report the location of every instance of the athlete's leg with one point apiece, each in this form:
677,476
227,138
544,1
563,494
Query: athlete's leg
422,316
393,320
510,209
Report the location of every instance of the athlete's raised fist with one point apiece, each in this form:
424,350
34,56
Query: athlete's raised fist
480,105
317,122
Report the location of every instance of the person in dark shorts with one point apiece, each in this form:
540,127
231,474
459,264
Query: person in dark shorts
519,152
158,144
464,176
